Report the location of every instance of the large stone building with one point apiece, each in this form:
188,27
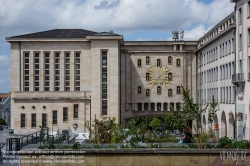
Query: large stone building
215,67
64,78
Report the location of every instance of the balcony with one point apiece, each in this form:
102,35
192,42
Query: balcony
238,78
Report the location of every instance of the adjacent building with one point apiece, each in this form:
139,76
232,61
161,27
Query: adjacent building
5,107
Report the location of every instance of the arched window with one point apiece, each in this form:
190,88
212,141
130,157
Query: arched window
169,60
165,106
178,90
170,78
178,106
178,62
139,62
147,60
147,76
139,90
139,106
170,93
158,106
158,62
158,90
152,106
146,106
171,106
147,92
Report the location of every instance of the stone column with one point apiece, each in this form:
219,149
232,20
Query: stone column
162,106
155,106
142,106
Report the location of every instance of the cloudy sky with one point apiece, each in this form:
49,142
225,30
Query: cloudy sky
134,19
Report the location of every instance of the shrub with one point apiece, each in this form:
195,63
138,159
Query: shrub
76,145
225,142
2,122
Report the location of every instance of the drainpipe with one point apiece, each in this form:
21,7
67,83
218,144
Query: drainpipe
20,66
120,90
235,108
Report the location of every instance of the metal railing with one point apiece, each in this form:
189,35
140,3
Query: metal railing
239,77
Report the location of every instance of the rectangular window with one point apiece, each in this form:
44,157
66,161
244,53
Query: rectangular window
65,114
104,107
47,72
33,120
248,9
54,117
67,72
104,82
75,111
240,16
240,42
23,121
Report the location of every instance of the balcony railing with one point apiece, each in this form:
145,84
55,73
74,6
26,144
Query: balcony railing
238,78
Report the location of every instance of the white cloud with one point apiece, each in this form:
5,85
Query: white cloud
103,15
196,33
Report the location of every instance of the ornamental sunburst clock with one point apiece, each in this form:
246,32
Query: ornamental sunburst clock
158,76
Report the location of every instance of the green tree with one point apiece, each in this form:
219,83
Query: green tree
190,109
212,109
2,122
155,123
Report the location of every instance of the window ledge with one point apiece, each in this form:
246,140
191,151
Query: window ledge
65,121
75,118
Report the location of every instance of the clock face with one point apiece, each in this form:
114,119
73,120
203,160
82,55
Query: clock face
158,76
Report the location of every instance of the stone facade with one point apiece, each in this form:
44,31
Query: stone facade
44,80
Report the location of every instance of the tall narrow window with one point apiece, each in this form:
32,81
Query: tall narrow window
76,111
165,106
146,106
54,117
170,60
240,16
248,9
147,92
158,63
67,72
178,62
139,90
57,71
170,77
46,71
158,106
158,90
23,119
178,106
170,93
240,42
147,76
248,37
147,60
65,114
139,106
152,105
104,83
26,72
77,71
36,72
171,106
33,120
139,63
178,90
44,120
